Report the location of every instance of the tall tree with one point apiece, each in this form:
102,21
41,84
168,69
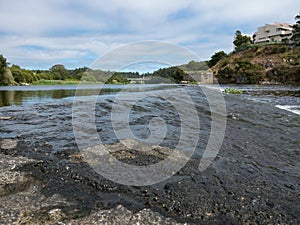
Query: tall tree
297,18
6,77
241,40
296,30
17,74
3,64
296,26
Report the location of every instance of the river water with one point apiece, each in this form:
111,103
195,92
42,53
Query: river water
23,95
42,112
283,97
254,178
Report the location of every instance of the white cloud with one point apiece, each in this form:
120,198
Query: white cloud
71,31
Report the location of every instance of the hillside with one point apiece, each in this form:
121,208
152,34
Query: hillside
270,64
194,66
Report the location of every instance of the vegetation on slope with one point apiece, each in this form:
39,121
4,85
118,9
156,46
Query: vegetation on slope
260,64
253,64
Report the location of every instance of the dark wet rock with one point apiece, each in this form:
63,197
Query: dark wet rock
24,200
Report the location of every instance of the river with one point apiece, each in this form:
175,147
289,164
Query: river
283,97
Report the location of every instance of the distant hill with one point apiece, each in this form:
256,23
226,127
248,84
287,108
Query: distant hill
269,64
194,66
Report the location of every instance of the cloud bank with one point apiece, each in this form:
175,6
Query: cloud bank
40,33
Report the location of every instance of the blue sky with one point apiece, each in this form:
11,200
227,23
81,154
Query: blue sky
40,33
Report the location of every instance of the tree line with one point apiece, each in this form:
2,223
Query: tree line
15,75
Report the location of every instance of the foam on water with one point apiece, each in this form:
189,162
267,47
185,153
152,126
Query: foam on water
291,108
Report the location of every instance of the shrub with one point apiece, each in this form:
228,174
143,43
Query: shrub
285,74
233,91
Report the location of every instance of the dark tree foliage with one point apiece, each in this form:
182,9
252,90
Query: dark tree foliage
77,73
241,40
116,78
174,74
215,58
17,74
23,76
6,77
297,25
59,72
296,30
129,74
3,64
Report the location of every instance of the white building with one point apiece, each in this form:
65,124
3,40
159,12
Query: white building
276,32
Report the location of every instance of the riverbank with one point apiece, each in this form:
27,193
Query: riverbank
253,180
58,82
260,64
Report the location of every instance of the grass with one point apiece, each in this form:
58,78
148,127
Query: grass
62,82
233,91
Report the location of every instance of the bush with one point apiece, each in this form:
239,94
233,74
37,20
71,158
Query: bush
215,58
244,72
117,79
224,62
6,78
284,74
233,91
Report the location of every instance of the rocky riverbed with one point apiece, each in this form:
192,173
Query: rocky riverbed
253,180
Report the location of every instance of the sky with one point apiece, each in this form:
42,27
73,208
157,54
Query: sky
37,34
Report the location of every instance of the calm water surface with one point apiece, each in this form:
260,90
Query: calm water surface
22,95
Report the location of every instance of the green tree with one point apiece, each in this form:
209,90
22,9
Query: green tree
17,74
173,74
44,75
241,41
3,64
297,25
29,76
22,75
59,72
77,73
296,30
6,77
117,78
215,58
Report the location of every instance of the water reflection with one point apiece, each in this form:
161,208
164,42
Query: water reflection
12,97
6,98
37,94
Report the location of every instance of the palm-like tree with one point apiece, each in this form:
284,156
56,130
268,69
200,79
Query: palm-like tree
296,31
297,25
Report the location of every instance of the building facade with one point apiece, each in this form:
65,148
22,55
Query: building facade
277,32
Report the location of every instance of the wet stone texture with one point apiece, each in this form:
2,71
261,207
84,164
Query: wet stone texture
254,179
